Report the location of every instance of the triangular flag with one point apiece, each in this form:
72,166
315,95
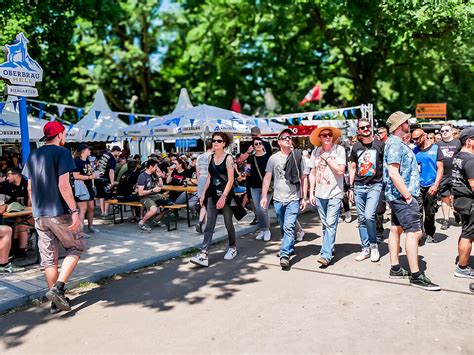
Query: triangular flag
94,135
147,119
115,139
79,112
15,104
61,109
256,122
267,121
2,105
53,118
353,112
87,132
29,108
41,114
299,120
191,122
131,118
70,127
346,113
97,114
219,122
108,137
310,117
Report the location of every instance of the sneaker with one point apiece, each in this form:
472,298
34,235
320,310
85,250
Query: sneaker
445,224
425,283
374,253
400,274
348,217
157,223
430,239
54,309
284,262
201,259
144,227
254,222
300,235
58,298
106,216
231,253
323,261
93,230
364,254
457,218
267,236
467,273
199,227
260,235
10,269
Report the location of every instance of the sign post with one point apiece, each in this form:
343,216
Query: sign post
23,72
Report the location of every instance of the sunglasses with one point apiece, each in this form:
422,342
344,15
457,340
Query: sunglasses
326,135
217,141
416,138
258,143
285,138
444,130
363,128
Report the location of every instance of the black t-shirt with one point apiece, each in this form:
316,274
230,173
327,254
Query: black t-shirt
369,161
84,168
127,183
254,179
177,180
449,150
20,191
192,172
463,170
107,162
44,167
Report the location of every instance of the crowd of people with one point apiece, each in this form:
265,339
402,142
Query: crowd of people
408,171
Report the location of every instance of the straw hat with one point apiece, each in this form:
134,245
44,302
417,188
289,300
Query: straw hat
316,141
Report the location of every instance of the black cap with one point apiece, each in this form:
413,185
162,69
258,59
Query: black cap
286,130
81,147
116,148
465,134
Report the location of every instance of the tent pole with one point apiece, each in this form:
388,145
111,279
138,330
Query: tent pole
25,136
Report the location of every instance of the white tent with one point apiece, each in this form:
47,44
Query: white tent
10,125
100,123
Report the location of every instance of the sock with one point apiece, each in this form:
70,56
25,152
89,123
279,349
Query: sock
415,275
60,285
462,267
396,267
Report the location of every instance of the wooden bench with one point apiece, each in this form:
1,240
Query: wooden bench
119,207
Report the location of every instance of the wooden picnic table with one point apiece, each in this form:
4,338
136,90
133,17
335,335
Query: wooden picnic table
188,190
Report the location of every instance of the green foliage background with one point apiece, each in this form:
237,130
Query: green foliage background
393,53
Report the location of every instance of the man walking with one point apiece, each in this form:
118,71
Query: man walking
288,171
402,186
449,147
365,179
430,165
56,215
463,191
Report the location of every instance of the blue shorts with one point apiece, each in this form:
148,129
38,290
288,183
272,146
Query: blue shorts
406,215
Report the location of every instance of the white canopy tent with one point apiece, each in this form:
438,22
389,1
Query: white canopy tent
10,125
100,123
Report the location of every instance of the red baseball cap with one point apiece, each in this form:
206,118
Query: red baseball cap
51,130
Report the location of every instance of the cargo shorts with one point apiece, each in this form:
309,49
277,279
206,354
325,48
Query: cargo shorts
51,232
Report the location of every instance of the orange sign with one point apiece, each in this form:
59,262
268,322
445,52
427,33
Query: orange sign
431,110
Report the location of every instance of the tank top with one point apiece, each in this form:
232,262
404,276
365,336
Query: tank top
219,180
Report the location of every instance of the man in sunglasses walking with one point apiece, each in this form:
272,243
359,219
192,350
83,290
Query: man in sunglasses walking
430,164
365,178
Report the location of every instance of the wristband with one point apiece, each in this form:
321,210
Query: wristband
74,211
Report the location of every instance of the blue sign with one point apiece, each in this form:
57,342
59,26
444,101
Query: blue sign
186,143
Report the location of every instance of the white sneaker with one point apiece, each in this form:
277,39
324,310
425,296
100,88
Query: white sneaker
201,259
231,253
348,217
300,235
260,235
267,236
374,253
364,254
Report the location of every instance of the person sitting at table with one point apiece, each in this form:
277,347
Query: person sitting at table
148,189
127,188
6,266
178,175
17,189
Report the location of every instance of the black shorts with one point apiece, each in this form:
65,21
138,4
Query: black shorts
467,226
91,196
406,215
465,207
101,187
445,187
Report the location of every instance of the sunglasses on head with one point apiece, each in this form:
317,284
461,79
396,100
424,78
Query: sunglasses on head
285,138
257,143
363,128
217,141
326,135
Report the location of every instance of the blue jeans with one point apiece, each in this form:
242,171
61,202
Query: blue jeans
287,212
366,200
262,213
328,210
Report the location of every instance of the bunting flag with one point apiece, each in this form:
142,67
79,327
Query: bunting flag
53,118
131,118
313,95
2,105
79,113
219,122
299,120
147,119
41,106
310,117
94,135
114,115
29,108
267,121
353,112
115,139
97,114
346,113
61,109
71,126
256,122
41,114
87,133
15,104
108,137
191,122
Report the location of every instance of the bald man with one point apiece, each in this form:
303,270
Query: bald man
430,164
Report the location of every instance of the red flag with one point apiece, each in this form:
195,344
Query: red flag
313,95
235,106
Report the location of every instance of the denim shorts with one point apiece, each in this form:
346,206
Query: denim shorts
406,215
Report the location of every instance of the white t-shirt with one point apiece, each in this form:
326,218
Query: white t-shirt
283,191
328,185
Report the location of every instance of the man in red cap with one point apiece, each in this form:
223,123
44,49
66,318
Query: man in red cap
55,211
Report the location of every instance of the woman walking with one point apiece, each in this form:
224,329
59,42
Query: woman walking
258,163
218,195
83,188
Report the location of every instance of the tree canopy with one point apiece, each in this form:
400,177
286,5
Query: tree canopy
391,53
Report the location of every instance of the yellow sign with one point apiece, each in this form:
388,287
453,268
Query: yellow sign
431,110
